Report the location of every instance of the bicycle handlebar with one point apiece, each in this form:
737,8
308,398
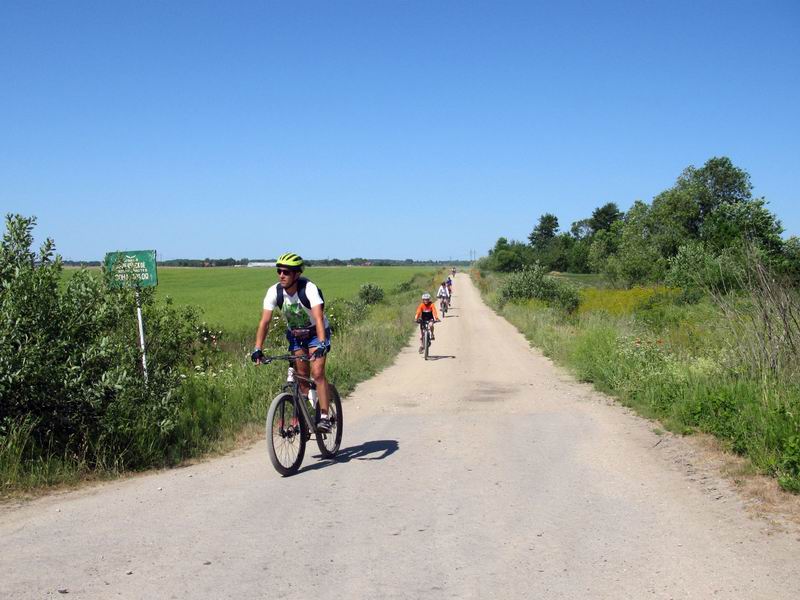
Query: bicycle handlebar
287,357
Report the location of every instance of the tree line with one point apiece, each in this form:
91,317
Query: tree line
707,215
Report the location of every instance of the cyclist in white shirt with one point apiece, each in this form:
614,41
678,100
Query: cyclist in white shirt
444,292
307,328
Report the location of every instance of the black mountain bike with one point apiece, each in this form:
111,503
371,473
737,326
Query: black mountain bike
425,332
444,305
290,423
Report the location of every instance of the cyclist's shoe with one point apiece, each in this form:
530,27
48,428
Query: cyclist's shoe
421,349
324,425
433,337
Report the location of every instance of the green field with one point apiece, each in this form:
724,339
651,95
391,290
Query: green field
231,298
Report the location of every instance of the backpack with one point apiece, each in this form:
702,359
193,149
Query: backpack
301,292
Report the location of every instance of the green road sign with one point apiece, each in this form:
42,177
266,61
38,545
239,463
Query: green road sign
133,268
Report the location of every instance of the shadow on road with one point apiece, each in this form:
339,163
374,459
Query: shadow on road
440,357
379,448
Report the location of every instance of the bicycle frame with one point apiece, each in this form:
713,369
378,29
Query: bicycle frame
292,387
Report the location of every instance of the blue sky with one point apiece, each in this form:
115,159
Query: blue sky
379,129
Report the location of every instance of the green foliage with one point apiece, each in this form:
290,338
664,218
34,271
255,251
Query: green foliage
604,217
507,256
789,467
370,293
637,259
507,261
70,364
544,231
728,225
533,283
695,269
603,250
788,262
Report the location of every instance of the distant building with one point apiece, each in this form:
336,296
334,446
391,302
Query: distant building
262,264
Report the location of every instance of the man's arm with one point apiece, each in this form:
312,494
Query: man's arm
319,317
263,327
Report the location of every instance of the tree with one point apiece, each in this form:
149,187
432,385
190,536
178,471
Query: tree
604,246
679,213
730,224
555,256
544,231
604,217
581,229
719,182
500,244
578,256
506,260
638,258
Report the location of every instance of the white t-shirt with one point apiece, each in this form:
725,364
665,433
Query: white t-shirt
442,293
296,314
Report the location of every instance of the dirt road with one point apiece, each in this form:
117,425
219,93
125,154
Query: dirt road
485,473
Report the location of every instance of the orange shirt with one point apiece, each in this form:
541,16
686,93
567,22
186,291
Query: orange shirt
430,308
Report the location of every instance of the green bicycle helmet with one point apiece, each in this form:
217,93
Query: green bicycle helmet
292,261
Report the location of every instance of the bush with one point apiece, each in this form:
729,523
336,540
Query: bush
70,363
533,283
370,293
343,314
696,270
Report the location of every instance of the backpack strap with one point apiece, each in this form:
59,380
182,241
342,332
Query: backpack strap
279,301
301,292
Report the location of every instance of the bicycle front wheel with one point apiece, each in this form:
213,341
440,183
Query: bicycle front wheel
427,342
329,442
286,440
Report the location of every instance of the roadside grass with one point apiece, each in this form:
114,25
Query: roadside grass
673,362
225,399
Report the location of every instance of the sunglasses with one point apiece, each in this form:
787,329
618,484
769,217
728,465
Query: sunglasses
285,272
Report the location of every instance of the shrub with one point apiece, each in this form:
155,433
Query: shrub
70,362
533,283
370,293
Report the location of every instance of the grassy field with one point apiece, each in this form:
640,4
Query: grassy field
231,298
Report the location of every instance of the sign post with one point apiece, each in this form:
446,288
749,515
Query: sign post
134,269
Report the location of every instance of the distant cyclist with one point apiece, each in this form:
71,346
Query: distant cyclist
426,315
449,283
443,294
308,330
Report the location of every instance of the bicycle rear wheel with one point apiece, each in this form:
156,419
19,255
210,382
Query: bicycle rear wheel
286,440
329,442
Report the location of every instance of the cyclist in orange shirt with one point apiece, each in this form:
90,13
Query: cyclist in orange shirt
426,313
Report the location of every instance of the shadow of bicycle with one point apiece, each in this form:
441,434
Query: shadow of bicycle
440,357
373,450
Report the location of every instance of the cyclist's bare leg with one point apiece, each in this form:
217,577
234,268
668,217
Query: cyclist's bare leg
318,375
302,369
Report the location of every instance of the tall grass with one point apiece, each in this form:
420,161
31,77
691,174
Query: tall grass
672,362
